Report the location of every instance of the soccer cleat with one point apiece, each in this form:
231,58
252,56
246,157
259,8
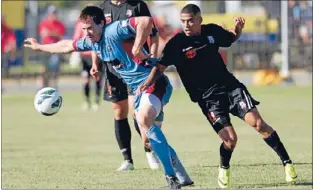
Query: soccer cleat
172,182
152,160
185,184
126,165
291,174
223,177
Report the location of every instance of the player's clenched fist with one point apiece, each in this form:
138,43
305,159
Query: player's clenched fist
31,43
94,71
239,22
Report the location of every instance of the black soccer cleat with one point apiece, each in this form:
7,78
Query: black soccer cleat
185,184
172,182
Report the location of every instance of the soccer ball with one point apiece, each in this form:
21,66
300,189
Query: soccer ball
48,101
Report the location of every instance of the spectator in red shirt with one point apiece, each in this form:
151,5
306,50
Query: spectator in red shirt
8,47
86,66
51,30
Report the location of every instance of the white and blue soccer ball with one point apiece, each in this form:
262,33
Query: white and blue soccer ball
48,101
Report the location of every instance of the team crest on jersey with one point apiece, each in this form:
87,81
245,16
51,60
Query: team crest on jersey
129,13
191,53
109,48
211,39
243,105
124,23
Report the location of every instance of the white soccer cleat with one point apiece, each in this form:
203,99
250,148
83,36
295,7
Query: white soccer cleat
95,107
126,165
152,160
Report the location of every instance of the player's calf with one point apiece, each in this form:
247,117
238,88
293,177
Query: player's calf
254,119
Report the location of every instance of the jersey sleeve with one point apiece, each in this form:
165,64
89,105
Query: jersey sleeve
224,38
143,10
171,54
82,44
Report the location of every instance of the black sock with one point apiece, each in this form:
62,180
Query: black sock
138,131
86,92
123,137
98,91
274,142
225,155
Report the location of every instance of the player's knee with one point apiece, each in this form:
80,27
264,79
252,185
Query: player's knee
120,110
229,137
231,143
259,125
142,120
145,118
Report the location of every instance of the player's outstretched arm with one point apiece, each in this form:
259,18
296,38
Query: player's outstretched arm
239,25
94,71
143,27
63,46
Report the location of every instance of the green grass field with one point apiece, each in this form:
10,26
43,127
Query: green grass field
76,149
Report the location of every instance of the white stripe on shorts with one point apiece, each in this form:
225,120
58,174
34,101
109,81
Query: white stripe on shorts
248,100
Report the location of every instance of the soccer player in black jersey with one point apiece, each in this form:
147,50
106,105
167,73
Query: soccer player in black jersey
195,54
116,90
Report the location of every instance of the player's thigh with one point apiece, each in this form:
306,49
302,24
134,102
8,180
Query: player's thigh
241,103
148,108
131,105
215,109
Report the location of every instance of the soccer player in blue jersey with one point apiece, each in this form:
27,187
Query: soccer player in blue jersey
106,41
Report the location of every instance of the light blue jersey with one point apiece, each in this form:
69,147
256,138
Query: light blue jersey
110,50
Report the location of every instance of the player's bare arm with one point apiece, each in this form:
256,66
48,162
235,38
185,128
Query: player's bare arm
94,71
63,46
239,25
156,72
143,26
154,45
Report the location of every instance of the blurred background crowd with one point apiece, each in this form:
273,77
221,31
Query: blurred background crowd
258,50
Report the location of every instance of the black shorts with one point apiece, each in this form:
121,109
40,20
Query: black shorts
115,89
217,104
87,64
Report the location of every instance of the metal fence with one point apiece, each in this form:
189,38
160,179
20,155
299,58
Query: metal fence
259,47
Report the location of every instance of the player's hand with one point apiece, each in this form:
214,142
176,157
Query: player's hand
94,72
140,55
239,23
141,88
32,43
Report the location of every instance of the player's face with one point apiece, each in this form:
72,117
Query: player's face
91,30
191,23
